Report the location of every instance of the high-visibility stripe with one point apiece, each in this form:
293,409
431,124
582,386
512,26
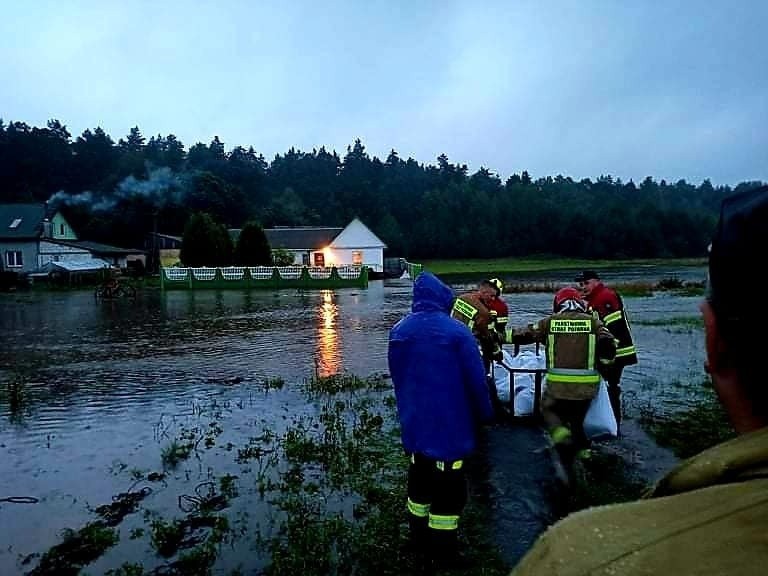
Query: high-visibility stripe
591,353
438,522
464,308
612,317
626,351
455,465
584,454
554,376
570,326
551,349
419,510
560,434
502,320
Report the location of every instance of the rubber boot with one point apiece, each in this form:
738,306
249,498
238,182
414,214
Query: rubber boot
614,394
444,551
418,535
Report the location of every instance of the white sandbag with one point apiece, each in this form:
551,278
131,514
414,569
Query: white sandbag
501,377
524,384
600,421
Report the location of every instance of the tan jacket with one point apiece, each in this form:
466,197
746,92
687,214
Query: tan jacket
570,352
707,517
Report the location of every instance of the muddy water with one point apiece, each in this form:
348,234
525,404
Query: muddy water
111,382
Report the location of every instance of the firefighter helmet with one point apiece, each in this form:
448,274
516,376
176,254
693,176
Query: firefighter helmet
498,284
564,294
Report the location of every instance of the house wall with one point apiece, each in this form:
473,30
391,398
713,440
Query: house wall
60,228
28,249
168,256
371,257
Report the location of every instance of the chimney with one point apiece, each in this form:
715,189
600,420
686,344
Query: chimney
47,229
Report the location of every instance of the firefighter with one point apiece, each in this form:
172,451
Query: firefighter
578,347
499,312
474,309
442,400
610,308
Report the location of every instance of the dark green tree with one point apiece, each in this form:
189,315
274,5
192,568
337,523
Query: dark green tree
205,242
252,247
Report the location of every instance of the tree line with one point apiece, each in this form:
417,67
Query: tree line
118,192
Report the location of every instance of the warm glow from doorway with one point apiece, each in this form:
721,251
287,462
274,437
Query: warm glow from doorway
328,255
328,353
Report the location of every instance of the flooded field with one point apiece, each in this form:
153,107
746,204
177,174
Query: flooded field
110,386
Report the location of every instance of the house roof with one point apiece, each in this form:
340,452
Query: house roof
96,247
78,265
19,221
304,238
357,235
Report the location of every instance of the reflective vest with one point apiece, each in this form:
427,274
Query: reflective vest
618,324
571,350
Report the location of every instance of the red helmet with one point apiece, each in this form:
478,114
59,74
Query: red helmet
565,294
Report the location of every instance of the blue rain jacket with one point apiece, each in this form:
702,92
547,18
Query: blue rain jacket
442,396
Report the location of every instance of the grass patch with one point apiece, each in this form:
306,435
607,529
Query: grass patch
76,550
512,265
689,432
684,321
604,479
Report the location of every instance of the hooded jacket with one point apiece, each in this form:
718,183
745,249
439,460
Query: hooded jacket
709,516
438,376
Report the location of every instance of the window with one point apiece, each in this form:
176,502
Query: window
13,259
305,259
319,259
357,257
61,229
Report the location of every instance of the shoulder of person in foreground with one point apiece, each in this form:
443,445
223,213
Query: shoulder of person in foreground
717,530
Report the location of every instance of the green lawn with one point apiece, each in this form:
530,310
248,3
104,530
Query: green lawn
512,265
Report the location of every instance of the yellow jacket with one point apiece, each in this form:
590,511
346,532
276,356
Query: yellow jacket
709,516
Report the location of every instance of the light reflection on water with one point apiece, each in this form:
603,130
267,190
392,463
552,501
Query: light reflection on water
105,376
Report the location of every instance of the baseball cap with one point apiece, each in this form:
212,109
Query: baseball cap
735,255
587,275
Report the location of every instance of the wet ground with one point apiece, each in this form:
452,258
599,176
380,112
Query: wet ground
110,382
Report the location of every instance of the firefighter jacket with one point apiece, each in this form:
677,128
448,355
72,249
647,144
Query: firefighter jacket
438,376
707,517
610,308
499,316
576,344
469,309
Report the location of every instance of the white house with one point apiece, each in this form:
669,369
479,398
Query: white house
321,246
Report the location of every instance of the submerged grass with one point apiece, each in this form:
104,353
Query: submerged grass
689,432
76,550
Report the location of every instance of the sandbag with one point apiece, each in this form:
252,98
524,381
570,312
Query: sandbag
600,421
524,384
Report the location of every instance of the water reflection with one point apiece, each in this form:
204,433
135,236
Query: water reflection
327,356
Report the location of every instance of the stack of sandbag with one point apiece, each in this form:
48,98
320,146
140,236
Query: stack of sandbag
524,384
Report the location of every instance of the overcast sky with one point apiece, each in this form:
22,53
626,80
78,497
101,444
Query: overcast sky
580,88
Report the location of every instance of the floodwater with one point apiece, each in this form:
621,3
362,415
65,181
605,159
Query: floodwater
110,382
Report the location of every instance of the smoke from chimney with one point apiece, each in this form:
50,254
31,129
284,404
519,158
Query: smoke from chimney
162,187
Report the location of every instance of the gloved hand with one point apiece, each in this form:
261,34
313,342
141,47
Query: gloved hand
606,350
